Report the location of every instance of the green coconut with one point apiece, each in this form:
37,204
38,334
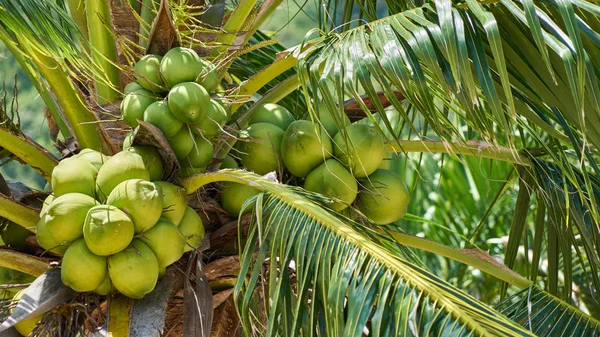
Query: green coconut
46,240
66,214
81,269
141,200
134,105
152,160
93,157
192,228
212,125
189,102
74,175
202,152
362,151
234,195
131,87
182,143
26,326
14,235
122,166
174,201
229,163
159,115
128,140
328,121
105,287
333,180
134,271
107,230
259,147
147,73
385,197
208,77
180,65
395,119
303,149
165,231
274,114
187,170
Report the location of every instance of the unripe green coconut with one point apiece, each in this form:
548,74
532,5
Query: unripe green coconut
122,166
189,102
174,201
212,125
152,160
134,105
395,119
141,200
159,115
106,286
302,149
134,271
362,151
274,114
166,241
180,65
208,77
128,140
66,215
182,143
187,170
93,157
26,326
74,175
14,235
192,228
260,146
147,73
107,230
234,195
81,269
229,163
202,152
45,239
385,198
333,180
131,87
328,120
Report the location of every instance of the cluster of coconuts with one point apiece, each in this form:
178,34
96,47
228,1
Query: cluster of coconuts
175,93
116,224
331,162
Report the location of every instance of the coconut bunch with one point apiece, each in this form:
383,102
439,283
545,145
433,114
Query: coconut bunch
176,93
326,160
117,225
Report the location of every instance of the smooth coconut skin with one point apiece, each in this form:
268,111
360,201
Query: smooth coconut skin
192,228
302,149
134,105
74,175
106,286
147,73
107,230
363,150
134,271
182,143
328,121
46,240
65,216
166,241
141,200
333,180
47,203
234,195
93,157
174,201
188,102
159,114
26,326
211,125
260,147
229,163
131,87
202,152
385,198
122,166
14,235
180,65
81,269
273,114
128,140
208,77
152,160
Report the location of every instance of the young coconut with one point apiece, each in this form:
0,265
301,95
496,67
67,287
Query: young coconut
229,163
122,166
328,120
202,152
174,201
273,114
147,73
26,326
188,102
152,160
302,149
180,65
182,143
385,198
46,240
134,271
212,125
165,231
362,151
65,216
93,157
208,77
81,269
131,87
134,105
159,115
105,287
141,200
107,230
192,228
234,196
14,235
333,180
74,175
128,140
259,147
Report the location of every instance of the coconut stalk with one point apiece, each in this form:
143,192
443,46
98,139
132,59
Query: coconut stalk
148,14
79,15
104,50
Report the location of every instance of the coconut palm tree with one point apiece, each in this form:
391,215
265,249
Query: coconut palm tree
490,110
